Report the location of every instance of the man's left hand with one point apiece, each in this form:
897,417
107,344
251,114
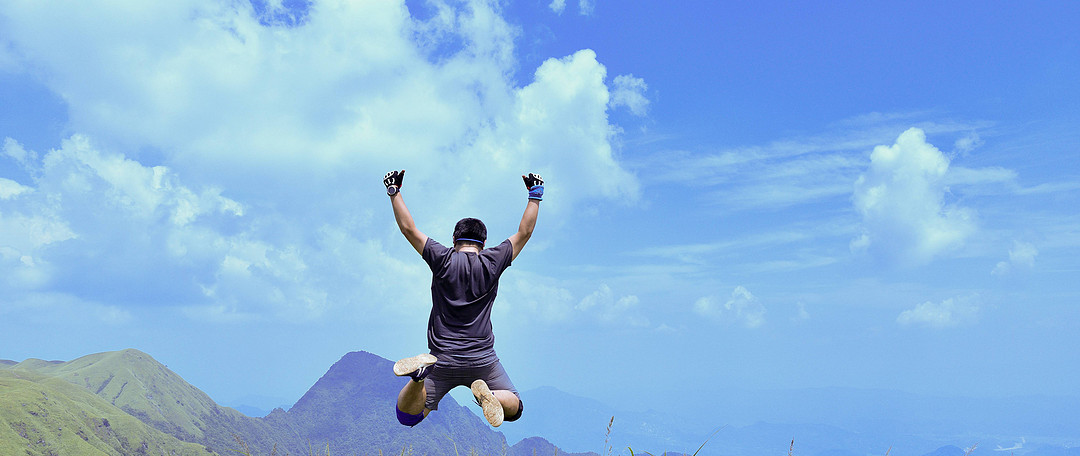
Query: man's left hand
535,184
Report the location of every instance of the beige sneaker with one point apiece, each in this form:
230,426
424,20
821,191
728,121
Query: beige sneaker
415,367
493,409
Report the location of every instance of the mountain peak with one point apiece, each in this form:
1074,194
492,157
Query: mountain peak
356,375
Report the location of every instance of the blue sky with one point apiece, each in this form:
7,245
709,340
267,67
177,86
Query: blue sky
740,196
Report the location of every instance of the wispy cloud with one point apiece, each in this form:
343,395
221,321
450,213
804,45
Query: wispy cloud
1021,256
792,171
585,7
742,306
628,91
1016,446
557,6
611,309
791,247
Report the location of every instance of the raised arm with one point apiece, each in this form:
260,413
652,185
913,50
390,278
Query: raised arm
417,238
535,184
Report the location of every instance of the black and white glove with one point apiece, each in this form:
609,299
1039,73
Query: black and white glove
535,184
392,181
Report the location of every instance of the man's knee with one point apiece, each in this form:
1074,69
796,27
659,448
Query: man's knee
409,419
521,408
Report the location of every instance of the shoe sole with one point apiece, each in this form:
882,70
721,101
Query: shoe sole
493,410
409,365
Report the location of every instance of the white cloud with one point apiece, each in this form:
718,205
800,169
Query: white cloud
968,143
561,120
586,7
742,306
26,234
901,198
21,272
96,221
630,92
557,6
802,315
948,313
16,151
10,189
609,309
1021,256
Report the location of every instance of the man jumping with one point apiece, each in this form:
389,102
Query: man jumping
464,281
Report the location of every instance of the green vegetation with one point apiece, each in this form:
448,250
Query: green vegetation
143,390
40,415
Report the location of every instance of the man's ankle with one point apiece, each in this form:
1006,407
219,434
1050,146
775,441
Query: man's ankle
420,374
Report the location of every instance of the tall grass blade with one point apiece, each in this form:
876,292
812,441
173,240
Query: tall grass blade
451,439
607,437
710,438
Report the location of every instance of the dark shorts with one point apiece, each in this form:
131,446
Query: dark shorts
443,379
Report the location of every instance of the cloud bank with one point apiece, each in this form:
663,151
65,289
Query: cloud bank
229,160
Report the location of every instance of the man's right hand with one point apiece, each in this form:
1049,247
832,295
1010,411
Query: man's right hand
393,179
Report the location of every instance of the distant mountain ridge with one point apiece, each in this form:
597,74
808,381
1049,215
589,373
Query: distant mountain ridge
350,408
862,422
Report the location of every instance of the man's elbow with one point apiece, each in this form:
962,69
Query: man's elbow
406,227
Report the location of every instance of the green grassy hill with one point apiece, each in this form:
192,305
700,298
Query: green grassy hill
135,383
41,415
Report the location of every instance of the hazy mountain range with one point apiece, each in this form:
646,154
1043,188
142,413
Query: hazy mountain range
125,402
822,421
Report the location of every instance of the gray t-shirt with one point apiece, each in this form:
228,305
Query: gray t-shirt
463,288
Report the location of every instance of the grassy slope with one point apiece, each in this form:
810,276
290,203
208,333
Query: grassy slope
40,415
137,384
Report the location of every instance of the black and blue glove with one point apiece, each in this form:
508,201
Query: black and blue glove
535,184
